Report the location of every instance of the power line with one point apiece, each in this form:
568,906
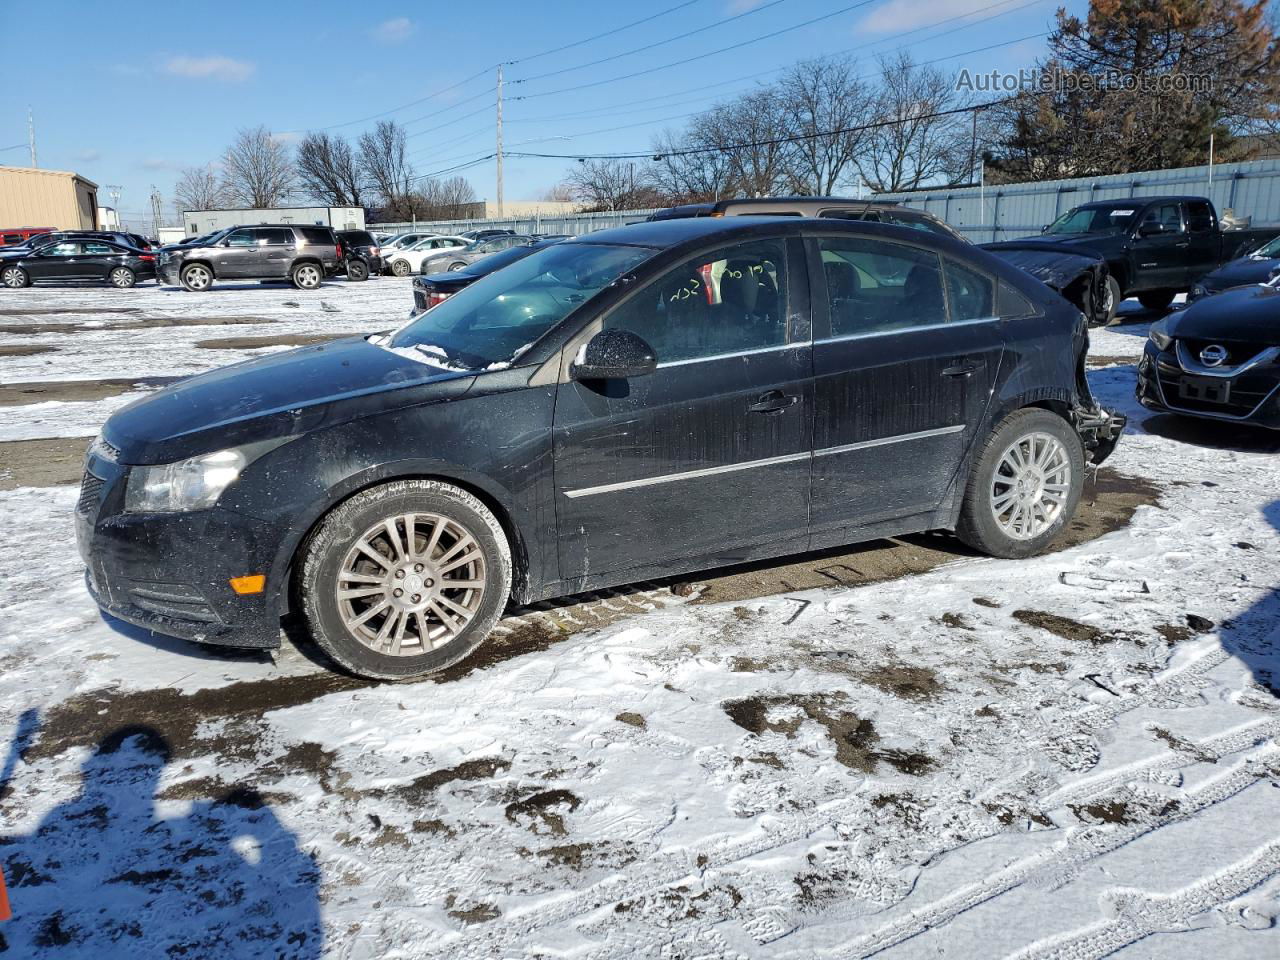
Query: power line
649,46
700,56
601,36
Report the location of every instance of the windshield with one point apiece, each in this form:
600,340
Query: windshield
1268,250
1111,218
490,323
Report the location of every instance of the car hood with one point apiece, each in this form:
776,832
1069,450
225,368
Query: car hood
280,395
1047,261
1250,314
1241,271
1068,239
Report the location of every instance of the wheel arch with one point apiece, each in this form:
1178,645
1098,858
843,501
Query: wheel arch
524,578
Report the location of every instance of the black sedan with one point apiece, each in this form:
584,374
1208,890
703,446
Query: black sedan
1258,267
439,287
1218,359
644,401
77,260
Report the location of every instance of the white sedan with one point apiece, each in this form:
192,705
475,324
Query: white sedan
406,260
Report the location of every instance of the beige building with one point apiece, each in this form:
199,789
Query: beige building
30,197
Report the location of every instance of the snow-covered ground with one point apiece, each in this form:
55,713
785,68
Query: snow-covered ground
1063,757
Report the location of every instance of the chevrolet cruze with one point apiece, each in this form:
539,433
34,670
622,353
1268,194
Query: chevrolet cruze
639,402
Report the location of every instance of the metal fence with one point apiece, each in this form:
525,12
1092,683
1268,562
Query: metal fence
573,223
1004,212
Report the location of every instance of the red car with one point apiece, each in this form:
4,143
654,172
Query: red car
11,235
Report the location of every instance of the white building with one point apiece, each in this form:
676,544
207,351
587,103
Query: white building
199,222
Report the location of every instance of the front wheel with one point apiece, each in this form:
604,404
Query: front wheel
405,579
196,277
306,276
15,278
122,277
455,267
401,268
1111,303
1025,485
357,270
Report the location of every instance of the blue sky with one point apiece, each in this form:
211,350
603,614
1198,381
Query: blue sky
129,94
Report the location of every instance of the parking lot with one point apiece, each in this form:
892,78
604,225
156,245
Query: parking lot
898,749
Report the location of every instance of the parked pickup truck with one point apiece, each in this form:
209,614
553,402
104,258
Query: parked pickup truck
1155,247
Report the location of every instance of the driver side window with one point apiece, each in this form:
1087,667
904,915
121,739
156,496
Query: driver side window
242,238
727,301
62,250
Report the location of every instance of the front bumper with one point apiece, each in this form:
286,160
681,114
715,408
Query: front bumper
169,572
1252,396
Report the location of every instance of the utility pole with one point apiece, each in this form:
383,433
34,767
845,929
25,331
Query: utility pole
156,201
499,151
114,191
31,135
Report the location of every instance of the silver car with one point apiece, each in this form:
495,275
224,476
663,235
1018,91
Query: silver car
459,257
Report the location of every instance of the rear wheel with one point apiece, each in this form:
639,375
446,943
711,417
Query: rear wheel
401,268
1025,485
196,277
357,270
122,277
1158,300
405,579
1112,300
456,266
15,278
306,276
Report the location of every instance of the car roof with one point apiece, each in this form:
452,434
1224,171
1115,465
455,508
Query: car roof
661,234
1139,201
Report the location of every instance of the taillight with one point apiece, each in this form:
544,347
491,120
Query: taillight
434,299
146,256
339,249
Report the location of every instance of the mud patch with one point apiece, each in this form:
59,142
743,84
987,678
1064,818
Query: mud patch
524,638
856,739
583,856
42,463
909,683
544,812
15,350
418,791
75,391
1095,362
1063,627
147,324
283,340
631,719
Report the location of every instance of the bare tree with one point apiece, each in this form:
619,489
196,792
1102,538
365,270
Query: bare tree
748,130
611,185
690,177
560,193
443,199
826,107
256,169
914,145
383,160
198,188
329,171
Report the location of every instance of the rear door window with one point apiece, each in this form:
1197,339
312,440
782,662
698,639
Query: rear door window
274,236
729,301
1199,216
99,249
316,235
875,286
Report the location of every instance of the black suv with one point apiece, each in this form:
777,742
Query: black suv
360,254
302,255
638,402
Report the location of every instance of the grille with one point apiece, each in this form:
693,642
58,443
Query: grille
90,492
178,601
1237,352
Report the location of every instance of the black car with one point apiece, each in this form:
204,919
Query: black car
487,234
643,401
1259,266
1218,359
438,287
303,255
88,259
360,254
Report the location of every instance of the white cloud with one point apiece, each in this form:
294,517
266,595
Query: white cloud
212,68
898,15
396,30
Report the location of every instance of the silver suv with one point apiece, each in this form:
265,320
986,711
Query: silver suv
302,255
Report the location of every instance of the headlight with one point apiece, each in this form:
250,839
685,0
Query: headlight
1160,335
186,485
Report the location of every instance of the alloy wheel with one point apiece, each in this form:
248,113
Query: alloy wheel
197,277
14,278
411,584
401,268
307,276
121,277
1030,486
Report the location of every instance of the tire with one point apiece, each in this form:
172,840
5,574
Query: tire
331,558
306,275
456,266
979,525
196,277
401,268
1114,296
15,278
122,278
357,270
1156,300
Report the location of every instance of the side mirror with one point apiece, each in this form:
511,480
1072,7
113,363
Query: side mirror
225,243
613,355
1045,228
1150,229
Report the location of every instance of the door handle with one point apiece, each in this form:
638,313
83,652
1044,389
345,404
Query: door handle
963,367
1183,245
771,402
